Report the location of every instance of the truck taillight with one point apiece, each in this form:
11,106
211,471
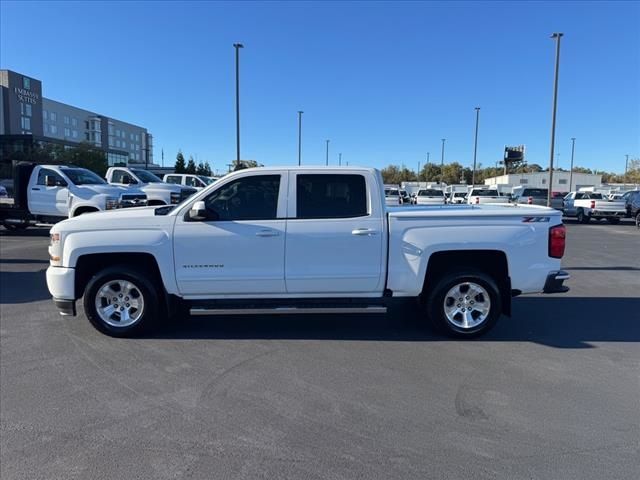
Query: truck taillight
530,201
557,236
593,204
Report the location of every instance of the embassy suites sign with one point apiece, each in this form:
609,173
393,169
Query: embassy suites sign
26,96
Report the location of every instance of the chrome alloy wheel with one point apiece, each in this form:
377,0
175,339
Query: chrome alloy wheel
119,303
467,305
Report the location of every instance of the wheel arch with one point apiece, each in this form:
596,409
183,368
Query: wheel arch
492,262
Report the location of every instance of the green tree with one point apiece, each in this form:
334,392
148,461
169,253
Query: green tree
84,155
180,166
200,169
430,173
207,169
451,173
191,166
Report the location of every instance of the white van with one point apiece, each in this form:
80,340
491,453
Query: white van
189,180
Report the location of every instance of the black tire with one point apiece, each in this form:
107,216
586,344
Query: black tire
15,227
638,220
149,292
582,218
435,304
613,220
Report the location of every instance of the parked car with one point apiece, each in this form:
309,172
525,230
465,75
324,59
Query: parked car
50,193
587,205
430,196
628,198
157,191
457,198
530,196
292,240
392,197
404,197
632,205
188,179
485,195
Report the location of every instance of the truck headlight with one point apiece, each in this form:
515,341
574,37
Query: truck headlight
111,203
55,253
175,197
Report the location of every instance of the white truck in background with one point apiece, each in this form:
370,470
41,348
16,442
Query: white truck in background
480,195
304,240
158,192
585,205
50,193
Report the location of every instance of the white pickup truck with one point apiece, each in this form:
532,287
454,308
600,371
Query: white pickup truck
587,205
50,193
485,195
303,240
157,191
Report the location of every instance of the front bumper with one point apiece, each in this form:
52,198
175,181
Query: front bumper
61,282
554,283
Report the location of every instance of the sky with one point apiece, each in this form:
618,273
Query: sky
384,82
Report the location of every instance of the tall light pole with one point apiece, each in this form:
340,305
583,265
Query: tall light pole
300,112
475,147
238,46
573,149
442,160
340,159
626,164
557,37
418,176
327,160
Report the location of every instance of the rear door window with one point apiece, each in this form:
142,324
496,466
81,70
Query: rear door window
331,196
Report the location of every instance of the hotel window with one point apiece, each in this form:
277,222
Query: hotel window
25,123
131,136
53,129
53,116
45,127
66,120
117,143
111,141
124,144
74,133
74,122
86,136
110,129
45,115
137,137
26,83
67,132
117,133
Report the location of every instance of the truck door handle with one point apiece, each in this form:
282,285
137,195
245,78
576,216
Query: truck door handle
364,232
34,188
267,233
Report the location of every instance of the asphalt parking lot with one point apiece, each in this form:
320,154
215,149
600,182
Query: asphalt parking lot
552,393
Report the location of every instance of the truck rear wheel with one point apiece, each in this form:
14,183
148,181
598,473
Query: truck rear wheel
613,220
120,301
582,218
464,304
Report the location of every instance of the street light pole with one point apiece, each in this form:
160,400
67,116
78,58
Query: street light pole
557,37
442,160
300,112
475,148
327,159
339,159
573,149
238,46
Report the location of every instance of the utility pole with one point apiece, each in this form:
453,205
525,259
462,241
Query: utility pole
442,161
300,112
626,164
418,176
557,37
339,159
238,46
327,159
573,149
475,148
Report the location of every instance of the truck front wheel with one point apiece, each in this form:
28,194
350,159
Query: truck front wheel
464,304
120,301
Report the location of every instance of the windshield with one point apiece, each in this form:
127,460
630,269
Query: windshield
430,192
459,194
595,196
206,180
485,193
391,193
146,176
82,176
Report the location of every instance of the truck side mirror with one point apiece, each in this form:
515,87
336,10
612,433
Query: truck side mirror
198,211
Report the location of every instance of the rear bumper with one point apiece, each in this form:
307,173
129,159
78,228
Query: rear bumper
604,213
554,283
